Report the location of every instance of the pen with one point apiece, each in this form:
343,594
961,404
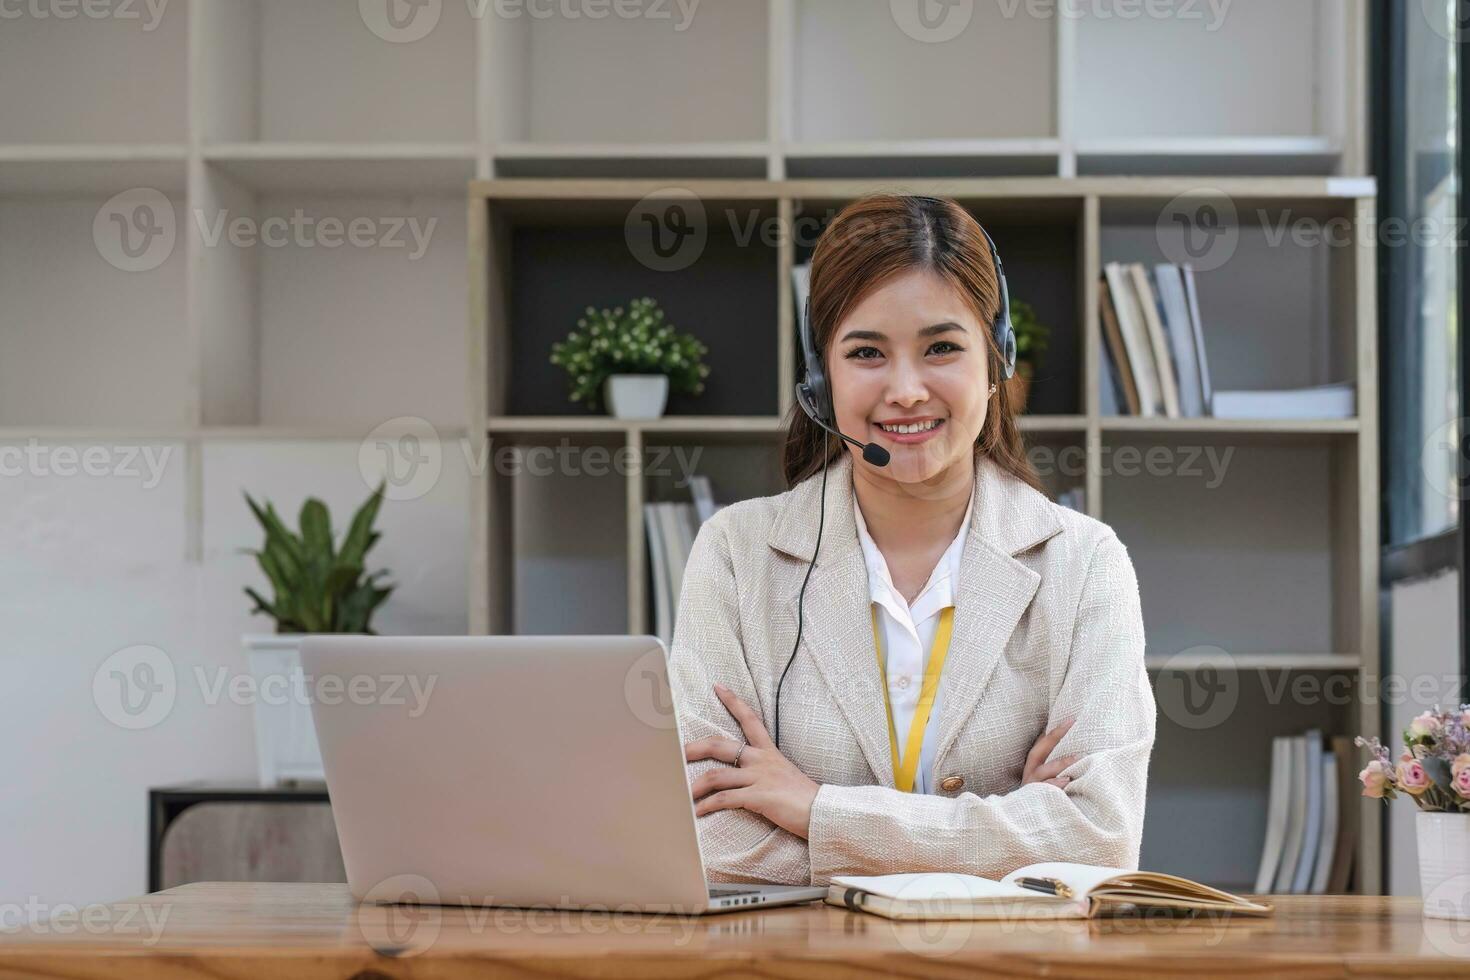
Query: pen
1050,886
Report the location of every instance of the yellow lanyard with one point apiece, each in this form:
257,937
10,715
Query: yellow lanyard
903,775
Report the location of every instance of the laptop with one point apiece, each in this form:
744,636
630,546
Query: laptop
535,772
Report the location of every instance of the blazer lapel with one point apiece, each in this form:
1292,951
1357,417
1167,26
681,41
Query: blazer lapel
992,594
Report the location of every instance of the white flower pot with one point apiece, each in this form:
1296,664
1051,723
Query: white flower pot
1444,863
636,396
286,749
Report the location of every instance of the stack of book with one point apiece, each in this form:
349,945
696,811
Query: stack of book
671,529
1312,816
1154,360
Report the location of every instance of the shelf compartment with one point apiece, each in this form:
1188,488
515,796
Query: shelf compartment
115,79
643,80
299,332
1241,546
859,74
1208,156
288,72
83,341
1273,275
558,258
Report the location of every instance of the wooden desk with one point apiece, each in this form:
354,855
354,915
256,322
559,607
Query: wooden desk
292,930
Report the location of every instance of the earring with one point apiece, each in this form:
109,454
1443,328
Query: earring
992,389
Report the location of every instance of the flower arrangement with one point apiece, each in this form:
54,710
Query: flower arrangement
632,341
1434,769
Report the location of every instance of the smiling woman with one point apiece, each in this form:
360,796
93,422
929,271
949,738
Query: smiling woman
963,689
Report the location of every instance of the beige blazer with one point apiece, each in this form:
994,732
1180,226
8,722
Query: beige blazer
1047,625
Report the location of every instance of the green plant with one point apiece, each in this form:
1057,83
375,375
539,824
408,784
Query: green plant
632,341
319,589
1031,333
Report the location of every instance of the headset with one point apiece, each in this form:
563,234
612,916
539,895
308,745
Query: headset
814,395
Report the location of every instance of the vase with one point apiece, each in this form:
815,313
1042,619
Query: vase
1444,863
636,396
286,749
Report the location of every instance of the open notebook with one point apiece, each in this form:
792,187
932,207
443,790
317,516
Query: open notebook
1056,890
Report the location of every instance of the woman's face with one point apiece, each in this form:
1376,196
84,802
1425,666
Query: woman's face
911,354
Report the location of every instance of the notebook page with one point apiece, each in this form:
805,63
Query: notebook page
934,886
1082,877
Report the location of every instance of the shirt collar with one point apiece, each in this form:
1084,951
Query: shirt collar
941,585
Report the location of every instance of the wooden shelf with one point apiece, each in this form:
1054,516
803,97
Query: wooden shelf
87,169
1214,426
344,168
1259,661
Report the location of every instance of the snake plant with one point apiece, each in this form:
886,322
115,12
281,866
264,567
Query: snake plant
319,589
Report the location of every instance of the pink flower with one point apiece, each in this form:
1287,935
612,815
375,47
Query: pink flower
1375,778
1412,777
1461,761
1465,718
1425,724
1461,782
1407,756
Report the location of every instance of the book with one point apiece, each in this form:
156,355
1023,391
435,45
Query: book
663,619
704,498
1278,809
1179,327
1052,890
1348,799
1322,868
1191,296
1154,325
1330,401
1114,351
1136,344
1310,787
1296,814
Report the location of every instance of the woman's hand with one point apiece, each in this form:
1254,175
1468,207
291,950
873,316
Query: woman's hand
1038,770
766,782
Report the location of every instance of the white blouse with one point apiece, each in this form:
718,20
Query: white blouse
908,632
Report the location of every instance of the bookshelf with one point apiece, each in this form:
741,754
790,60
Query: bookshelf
256,360
1255,541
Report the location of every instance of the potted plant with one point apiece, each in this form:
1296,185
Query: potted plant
630,359
1031,337
1434,772
318,588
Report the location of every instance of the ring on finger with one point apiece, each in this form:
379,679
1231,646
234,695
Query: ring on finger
738,752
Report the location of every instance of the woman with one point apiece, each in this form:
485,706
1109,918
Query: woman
1034,743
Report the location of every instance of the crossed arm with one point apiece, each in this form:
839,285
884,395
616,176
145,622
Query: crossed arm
767,821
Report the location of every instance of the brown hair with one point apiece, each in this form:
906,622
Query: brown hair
869,242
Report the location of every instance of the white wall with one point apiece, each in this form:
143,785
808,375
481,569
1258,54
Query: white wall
91,565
